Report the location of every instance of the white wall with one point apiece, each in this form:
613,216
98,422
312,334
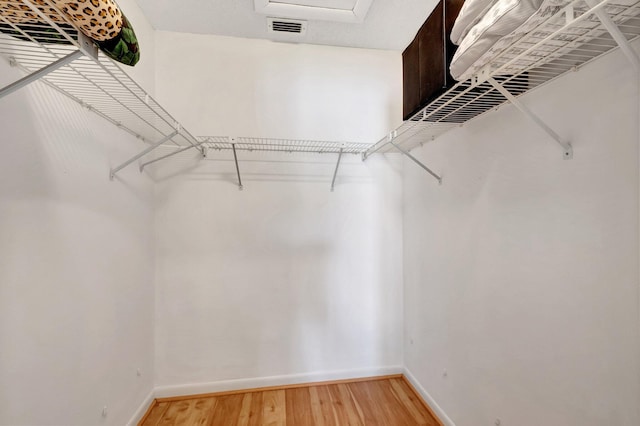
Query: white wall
77,251
76,263
144,72
241,87
521,271
283,278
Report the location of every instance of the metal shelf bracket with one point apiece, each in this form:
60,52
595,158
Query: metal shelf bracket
335,172
418,162
235,158
112,172
36,75
567,153
171,154
616,34
85,47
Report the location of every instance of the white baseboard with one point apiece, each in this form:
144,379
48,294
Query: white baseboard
142,409
428,399
261,382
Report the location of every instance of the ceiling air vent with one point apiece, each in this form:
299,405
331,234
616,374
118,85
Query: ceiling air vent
291,27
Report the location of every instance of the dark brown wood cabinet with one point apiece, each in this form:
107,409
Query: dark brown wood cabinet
425,62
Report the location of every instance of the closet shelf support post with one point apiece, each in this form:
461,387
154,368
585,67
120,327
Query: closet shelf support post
567,149
235,158
36,75
171,154
335,172
616,34
112,172
418,162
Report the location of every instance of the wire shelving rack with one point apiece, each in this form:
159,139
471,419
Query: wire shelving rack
578,31
576,34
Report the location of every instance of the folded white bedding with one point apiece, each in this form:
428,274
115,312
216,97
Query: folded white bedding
469,59
501,19
470,13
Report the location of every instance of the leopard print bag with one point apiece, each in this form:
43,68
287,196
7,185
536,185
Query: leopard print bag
100,20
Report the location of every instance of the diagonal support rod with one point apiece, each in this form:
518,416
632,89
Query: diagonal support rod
568,151
616,34
335,172
415,160
235,158
36,75
112,172
171,154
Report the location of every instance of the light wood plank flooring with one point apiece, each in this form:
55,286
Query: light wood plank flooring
385,401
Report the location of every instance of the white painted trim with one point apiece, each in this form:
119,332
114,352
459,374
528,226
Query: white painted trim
428,399
282,10
142,409
261,382
361,9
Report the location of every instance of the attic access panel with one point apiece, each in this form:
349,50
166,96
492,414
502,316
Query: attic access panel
327,4
349,11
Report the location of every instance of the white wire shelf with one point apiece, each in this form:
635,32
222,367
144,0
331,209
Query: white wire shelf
569,39
94,81
282,145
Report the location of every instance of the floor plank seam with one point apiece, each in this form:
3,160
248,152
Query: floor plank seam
384,400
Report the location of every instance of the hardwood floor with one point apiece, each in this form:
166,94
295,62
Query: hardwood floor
384,401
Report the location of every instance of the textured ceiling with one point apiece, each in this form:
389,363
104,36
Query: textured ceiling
389,24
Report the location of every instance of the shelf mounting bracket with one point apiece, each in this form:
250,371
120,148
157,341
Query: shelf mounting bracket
567,149
418,162
171,154
112,172
235,158
36,75
616,34
335,172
